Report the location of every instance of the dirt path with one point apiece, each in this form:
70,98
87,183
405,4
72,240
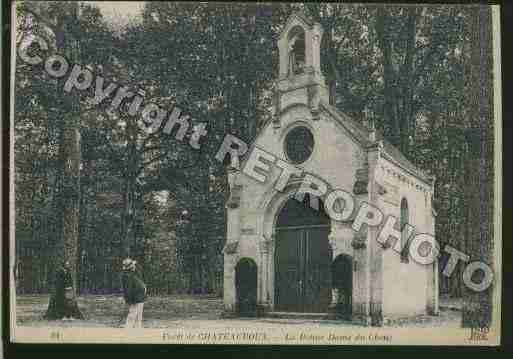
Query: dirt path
187,312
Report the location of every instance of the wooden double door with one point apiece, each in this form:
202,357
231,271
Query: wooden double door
302,269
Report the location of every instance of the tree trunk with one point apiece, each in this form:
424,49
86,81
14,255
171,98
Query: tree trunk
407,119
129,202
69,175
477,306
70,204
390,117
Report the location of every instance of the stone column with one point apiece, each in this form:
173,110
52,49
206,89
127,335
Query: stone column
361,310
309,48
361,280
264,303
436,288
317,33
375,248
233,206
229,291
284,56
262,273
270,271
376,279
332,312
432,289
231,249
368,256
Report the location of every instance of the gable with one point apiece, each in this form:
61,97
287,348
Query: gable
336,154
356,133
302,112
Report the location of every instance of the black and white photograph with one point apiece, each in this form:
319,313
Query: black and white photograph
255,173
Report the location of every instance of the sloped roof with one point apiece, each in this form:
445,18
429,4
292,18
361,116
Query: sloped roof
356,130
362,135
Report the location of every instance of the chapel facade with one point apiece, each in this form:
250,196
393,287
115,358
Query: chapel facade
283,256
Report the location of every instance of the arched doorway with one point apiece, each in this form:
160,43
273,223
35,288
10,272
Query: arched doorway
246,286
297,51
342,279
302,258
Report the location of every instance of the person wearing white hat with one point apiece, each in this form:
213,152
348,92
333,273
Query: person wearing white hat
134,291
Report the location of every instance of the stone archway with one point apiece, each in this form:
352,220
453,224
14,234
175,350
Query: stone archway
302,258
269,207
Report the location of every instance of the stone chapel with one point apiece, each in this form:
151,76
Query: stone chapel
283,258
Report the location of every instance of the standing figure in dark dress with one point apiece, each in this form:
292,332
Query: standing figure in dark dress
63,303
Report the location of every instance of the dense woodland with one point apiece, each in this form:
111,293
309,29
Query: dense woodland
421,74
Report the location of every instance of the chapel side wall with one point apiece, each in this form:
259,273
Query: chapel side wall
405,291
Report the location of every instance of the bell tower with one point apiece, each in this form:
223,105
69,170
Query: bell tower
300,77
